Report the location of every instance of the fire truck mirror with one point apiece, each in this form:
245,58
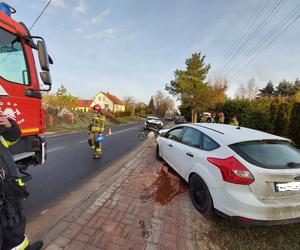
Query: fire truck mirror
46,78
43,55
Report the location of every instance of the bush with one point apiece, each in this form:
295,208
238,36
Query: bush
294,126
186,112
258,119
239,108
282,119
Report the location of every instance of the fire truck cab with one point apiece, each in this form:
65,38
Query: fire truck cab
20,88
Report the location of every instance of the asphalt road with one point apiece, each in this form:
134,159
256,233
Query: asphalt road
70,163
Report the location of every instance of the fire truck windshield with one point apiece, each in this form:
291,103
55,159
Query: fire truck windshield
13,65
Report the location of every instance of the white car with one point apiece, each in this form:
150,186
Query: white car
153,121
242,174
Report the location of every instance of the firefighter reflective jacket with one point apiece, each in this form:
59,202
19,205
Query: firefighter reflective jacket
9,136
97,123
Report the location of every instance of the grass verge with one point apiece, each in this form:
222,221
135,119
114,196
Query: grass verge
214,232
83,124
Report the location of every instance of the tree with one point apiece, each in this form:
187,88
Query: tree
130,104
162,104
190,85
65,99
286,88
282,119
218,86
294,127
142,109
151,105
297,85
249,91
268,90
61,99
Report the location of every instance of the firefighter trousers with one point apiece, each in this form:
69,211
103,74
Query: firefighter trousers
95,145
12,236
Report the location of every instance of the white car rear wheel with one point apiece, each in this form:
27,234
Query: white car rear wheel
200,195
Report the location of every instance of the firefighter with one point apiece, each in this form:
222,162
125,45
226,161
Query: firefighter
12,193
234,121
221,118
96,129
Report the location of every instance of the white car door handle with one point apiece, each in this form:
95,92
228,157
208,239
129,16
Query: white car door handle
190,154
170,145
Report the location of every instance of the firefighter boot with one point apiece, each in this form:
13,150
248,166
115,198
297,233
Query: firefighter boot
97,152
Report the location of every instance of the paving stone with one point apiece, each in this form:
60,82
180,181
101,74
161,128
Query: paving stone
54,247
115,216
62,241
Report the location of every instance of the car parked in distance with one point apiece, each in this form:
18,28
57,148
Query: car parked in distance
179,119
153,121
242,174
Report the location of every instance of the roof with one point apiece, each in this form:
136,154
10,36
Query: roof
230,134
85,103
113,98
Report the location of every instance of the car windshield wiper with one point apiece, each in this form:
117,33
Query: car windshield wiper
293,164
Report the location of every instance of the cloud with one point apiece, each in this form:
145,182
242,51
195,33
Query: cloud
58,3
79,29
109,33
81,8
100,17
132,36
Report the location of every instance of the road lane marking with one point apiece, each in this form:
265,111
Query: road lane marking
115,133
124,130
45,211
55,149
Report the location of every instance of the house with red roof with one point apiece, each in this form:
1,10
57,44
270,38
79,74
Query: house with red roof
84,105
109,102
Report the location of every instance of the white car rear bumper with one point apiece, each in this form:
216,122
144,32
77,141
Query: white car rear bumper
243,203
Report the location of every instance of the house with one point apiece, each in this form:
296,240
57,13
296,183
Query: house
84,105
109,102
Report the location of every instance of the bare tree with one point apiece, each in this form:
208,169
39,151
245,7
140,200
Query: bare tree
249,91
162,103
130,104
219,85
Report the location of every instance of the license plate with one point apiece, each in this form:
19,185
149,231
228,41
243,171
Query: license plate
289,186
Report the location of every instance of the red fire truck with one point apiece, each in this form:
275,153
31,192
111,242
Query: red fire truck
20,88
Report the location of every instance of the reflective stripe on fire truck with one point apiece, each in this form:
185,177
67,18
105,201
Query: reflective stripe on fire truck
30,130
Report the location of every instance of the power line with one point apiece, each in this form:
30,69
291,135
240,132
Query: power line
244,31
46,6
277,28
268,45
275,7
269,17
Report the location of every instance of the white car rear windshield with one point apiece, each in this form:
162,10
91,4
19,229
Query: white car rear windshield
271,154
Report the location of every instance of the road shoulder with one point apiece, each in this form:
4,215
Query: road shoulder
135,209
50,222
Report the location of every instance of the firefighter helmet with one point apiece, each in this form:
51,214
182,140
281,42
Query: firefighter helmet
97,107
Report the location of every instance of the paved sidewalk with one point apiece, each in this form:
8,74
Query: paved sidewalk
144,207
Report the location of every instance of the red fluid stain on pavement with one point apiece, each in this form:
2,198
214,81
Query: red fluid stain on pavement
167,186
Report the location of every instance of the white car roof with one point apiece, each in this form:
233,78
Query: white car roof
230,134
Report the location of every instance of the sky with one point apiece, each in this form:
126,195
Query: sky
131,48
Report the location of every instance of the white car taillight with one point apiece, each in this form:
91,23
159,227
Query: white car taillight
232,170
